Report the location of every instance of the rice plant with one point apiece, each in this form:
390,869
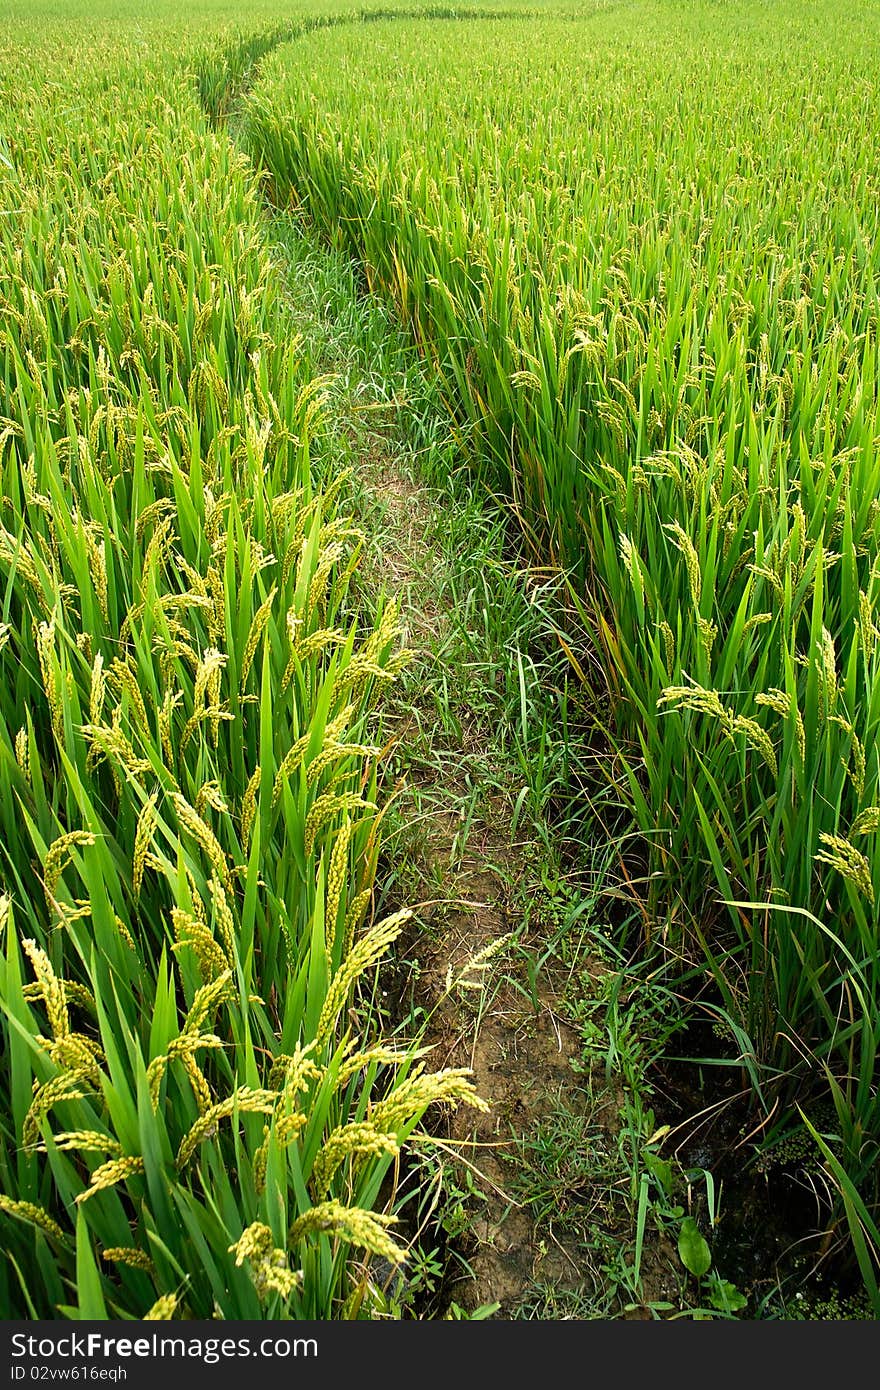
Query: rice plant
196,1122
639,245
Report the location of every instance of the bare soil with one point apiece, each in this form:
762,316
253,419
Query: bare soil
482,1013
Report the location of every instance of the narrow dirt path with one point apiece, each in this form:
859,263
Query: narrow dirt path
468,948
469,983
471,940
502,964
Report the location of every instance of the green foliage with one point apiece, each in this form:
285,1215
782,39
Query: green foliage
692,1249
637,244
638,248
195,1121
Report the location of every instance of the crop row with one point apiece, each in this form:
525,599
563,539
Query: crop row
195,1122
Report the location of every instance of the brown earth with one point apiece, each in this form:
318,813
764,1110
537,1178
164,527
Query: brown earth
482,1012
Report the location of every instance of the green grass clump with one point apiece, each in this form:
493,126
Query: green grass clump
640,247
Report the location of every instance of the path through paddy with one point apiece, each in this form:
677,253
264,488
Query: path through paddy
508,967
471,778
461,844
527,1211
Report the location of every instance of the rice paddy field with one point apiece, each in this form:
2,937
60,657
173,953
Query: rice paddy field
637,248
